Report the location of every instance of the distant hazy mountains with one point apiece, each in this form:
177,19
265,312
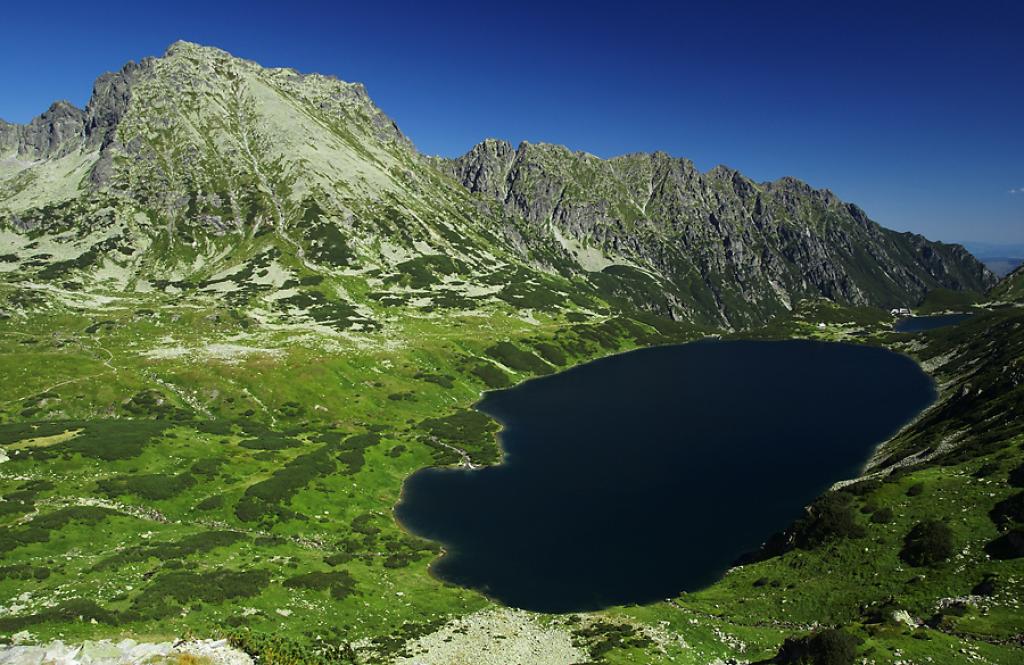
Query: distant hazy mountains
198,164
1001,259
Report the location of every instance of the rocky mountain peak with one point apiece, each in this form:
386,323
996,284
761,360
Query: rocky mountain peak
202,144
197,99
55,132
64,128
497,147
716,241
185,47
733,179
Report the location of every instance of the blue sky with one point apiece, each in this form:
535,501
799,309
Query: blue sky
914,112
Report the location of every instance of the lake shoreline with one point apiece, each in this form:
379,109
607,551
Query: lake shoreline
450,554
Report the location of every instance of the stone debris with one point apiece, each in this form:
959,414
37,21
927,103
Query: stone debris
230,353
495,637
904,617
125,652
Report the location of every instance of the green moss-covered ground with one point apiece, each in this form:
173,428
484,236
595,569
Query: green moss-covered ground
249,494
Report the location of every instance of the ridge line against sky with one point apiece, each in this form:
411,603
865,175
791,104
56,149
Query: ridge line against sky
913,114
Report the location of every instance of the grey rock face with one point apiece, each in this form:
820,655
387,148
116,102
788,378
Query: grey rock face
111,95
486,168
64,128
55,133
9,137
712,246
649,229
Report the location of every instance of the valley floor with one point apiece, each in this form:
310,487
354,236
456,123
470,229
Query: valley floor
168,473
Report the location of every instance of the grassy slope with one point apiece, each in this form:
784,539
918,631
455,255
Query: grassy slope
124,415
1011,288
168,558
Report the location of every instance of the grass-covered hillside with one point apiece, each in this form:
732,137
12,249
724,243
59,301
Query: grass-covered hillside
166,472
160,483
1011,287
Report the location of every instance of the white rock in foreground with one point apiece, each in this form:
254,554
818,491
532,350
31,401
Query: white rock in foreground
125,652
474,639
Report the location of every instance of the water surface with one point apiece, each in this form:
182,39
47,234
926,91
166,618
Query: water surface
921,323
635,477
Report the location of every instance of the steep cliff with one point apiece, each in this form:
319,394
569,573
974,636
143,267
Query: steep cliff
716,245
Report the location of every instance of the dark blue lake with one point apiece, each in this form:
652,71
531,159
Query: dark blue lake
922,323
637,476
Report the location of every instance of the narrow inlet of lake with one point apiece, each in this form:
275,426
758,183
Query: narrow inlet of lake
913,324
637,476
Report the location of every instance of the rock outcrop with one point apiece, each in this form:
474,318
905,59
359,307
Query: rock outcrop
715,246
64,128
198,143
124,652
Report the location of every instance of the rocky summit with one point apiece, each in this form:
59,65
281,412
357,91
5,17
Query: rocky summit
199,161
239,310
715,246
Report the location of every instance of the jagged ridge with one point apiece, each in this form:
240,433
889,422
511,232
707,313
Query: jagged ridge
689,243
196,150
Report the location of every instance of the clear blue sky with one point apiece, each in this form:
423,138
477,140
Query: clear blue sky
916,113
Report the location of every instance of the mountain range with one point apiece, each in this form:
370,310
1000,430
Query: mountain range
193,164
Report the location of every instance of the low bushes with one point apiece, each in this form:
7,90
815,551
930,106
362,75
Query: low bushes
273,649
340,583
827,647
39,529
492,377
882,516
551,353
1016,477
988,586
929,543
107,440
182,587
467,430
830,517
153,486
1010,545
601,637
443,380
76,609
208,466
198,543
23,571
263,499
513,357
1007,510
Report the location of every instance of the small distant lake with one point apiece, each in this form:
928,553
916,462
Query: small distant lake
921,323
637,476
